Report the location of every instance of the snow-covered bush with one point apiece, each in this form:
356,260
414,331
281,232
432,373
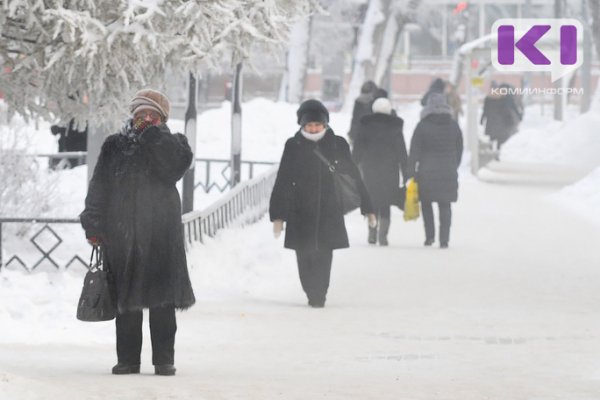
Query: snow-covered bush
27,188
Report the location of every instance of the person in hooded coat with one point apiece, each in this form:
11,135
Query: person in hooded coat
133,211
435,154
305,199
362,107
437,86
380,152
501,115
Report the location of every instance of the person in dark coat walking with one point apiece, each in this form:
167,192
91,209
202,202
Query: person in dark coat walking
501,115
437,86
380,152
133,211
362,107
304,197
435,154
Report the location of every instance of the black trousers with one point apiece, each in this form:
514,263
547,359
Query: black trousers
445,221
314,268
383,212
162,331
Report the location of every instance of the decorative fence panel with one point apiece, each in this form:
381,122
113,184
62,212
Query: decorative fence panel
244,204
41,227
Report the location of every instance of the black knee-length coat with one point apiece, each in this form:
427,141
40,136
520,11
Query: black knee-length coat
134,207
435,154
380,152
304,194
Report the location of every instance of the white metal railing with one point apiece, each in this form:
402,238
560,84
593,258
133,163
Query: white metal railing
246,203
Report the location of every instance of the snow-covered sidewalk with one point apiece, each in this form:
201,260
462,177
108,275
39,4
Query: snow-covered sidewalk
510,311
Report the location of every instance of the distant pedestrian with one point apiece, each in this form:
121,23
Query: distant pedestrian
133,211
501,115
515,104
69,139
435,154
304,197
382,93
362,107
454,101
380,152
437,86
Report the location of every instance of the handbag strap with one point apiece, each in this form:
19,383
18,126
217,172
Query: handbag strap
324,159
98,255
94,253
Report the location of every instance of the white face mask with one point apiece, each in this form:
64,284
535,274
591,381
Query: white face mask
314,137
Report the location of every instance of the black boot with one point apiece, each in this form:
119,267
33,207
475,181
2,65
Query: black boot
316,304
372,235
124,369
165,370
384,227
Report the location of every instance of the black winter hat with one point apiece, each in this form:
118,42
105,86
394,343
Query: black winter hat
312,111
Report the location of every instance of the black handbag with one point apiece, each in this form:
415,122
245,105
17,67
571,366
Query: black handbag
346,187
399,197
98,296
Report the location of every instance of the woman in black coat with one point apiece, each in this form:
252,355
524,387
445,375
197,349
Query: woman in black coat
380,153
304,197
133,211
435,154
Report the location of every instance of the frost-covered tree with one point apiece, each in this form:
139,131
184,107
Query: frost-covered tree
319,41
56,54
292,86
381,29
27,187
594,8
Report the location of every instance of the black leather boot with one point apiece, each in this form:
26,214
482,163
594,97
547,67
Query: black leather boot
124,369
165,370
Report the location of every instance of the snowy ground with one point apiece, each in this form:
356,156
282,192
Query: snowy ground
510,311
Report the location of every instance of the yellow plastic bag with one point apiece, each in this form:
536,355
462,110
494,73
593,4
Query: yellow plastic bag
411,205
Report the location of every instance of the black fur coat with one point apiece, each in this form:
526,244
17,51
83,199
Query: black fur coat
133,206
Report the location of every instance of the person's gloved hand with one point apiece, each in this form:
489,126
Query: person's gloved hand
94,240
277,227
372,218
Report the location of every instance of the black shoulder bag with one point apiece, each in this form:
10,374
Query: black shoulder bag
98,296
345,186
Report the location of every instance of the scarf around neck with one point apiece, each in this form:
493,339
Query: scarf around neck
313,137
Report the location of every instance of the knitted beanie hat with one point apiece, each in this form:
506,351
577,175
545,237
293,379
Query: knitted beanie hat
149,99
